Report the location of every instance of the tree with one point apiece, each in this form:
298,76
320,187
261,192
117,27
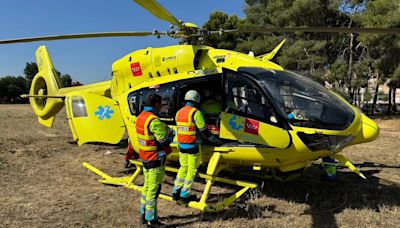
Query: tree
347,61
65,80
12,87
31,69
219,20
394,85
384,49
306,52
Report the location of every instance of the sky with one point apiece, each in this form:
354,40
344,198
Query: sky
90,60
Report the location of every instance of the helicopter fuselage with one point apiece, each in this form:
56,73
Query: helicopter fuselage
267,137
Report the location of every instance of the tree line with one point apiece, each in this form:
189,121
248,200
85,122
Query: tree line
11,87
355,65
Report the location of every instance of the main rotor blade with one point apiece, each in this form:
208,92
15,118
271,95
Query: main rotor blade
78,36
316,30
157,10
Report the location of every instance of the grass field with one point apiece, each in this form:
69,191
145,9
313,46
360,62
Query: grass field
43,184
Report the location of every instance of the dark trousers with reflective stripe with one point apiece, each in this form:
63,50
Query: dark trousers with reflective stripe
153,178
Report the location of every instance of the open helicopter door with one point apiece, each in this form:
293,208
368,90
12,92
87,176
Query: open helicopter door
248,115
94,118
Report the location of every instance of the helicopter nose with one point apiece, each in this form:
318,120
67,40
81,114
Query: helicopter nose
369,130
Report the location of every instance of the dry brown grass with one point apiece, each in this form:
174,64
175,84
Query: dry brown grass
44,185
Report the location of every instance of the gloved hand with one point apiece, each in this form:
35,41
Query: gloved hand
171,134
219,142
216,141
162,156
167,149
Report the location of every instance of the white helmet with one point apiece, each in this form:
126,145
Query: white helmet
192,95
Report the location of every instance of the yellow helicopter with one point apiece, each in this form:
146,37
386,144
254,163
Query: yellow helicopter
275,121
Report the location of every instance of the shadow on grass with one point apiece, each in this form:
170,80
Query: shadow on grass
325,199
252,211
329,198
376,165
123,144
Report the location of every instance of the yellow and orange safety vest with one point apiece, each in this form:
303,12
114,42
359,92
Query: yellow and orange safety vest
186,127
146,139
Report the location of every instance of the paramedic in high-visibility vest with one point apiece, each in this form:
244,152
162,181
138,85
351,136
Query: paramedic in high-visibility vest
154,138
189,121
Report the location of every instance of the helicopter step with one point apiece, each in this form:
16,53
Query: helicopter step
212,170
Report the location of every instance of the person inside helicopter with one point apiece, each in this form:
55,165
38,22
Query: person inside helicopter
211,107
211,101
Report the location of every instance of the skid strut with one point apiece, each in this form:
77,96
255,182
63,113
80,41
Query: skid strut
348,163
212,170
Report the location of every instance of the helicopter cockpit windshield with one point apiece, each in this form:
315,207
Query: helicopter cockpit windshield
302,101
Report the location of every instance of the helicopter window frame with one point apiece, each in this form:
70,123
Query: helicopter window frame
132,103
78,107
212,82
169,98
189,82
278,122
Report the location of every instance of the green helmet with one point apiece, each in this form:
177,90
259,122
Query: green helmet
192,95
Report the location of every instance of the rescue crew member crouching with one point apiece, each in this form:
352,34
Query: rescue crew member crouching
188,120
154,138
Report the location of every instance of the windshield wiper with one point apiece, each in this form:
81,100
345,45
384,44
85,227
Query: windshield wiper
304,97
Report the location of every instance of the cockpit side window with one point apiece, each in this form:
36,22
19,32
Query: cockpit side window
302,101
244,97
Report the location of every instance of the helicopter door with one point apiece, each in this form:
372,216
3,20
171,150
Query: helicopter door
248,116
94,118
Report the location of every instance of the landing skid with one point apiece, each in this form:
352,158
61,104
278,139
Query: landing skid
210,176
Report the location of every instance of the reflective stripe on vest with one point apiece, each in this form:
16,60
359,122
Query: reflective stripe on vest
146,139
186,128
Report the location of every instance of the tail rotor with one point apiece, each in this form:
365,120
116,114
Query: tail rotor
44,93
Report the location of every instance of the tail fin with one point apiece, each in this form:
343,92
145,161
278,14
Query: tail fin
271,55
44,91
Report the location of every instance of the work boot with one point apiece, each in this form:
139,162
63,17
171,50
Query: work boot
176,196
143,219
330,177
186,200
154,223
